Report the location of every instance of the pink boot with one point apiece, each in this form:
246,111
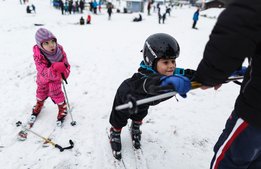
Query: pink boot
37,107
62,111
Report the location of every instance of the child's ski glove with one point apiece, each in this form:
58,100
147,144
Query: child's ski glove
240,72
181,84
59,67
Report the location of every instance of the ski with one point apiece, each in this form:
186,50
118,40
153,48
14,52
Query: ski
141,162
118,163
22,134
50,137
59,125
48,140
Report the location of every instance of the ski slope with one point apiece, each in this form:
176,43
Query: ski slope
176,134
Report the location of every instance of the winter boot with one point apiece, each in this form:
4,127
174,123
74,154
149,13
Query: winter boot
35,112
115,141
62,112
136,133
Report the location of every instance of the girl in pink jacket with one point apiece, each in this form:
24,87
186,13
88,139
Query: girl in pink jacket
52,66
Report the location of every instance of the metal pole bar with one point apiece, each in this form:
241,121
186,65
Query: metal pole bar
45,139
67,101
194,85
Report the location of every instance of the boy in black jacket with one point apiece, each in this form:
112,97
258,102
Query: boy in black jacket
158,69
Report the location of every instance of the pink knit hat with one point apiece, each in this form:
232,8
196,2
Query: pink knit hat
43,35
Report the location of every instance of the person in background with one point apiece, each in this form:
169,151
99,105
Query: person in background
149,6
62,6
88,20
109,10
195,19
138,19
81,21
82,3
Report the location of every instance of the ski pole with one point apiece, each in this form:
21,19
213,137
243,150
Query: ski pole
194,85
49,141
68,105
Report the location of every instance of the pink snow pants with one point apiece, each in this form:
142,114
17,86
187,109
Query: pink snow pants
51,89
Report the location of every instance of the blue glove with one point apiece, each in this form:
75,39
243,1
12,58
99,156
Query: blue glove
240,72
181,84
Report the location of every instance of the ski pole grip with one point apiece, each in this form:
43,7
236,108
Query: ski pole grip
71,145
59,147
133,100
64,78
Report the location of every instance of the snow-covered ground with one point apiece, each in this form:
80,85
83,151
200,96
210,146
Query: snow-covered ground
177,135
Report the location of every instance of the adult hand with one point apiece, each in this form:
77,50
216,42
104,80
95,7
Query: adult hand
207,87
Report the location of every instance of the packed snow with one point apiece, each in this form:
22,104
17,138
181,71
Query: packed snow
176,134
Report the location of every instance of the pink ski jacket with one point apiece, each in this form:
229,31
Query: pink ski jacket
45,72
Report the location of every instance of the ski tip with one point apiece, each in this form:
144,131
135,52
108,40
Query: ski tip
59,123
22,136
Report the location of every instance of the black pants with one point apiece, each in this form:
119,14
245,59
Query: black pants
119,119
194,24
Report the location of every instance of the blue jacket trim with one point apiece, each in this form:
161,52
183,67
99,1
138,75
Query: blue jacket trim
142,65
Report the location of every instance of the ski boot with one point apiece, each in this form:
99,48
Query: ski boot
61,114
35,112
37,107
115,141
135,133
31,120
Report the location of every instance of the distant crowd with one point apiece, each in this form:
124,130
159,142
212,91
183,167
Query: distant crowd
68,7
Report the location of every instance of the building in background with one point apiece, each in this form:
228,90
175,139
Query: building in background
210,4
135,5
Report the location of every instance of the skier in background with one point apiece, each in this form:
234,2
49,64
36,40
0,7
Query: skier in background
157,69
195,19
109,10
62,6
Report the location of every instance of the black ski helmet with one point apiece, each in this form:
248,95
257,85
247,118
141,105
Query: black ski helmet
160,45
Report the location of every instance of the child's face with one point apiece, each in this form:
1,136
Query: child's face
166,66
49,45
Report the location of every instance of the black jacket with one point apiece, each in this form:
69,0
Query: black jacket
236,36
141,85
138,86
